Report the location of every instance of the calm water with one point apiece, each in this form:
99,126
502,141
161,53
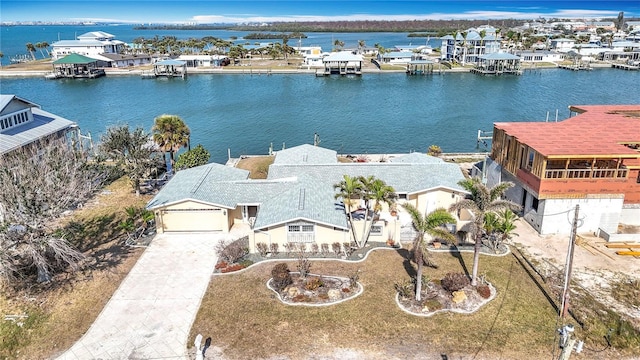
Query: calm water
374,113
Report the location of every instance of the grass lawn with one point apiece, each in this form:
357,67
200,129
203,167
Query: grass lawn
61,312
257,165
243,317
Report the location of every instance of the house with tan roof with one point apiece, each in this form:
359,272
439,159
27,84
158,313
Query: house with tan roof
296,203
591,159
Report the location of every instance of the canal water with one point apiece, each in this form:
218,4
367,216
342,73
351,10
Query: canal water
372,113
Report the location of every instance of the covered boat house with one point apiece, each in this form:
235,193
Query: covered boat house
343,63
169,68
498,64
75,66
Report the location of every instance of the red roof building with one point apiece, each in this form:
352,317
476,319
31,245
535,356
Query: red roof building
591,159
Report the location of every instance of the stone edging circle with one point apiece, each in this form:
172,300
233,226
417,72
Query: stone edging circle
494,292
360,291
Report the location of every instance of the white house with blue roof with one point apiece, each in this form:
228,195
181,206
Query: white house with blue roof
296,203
88,44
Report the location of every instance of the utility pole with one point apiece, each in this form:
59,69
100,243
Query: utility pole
569,266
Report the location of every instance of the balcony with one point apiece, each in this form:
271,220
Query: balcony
585,173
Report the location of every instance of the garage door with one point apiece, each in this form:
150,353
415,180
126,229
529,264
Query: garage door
194,220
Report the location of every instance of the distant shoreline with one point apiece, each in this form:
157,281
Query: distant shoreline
237,70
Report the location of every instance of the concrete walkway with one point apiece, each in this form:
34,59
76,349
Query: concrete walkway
151,313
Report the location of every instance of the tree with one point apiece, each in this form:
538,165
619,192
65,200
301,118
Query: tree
133,151
349,189
338,44
482,201
431,224
171,134
1,57
361,45
31,49
192,158
376,191
38,184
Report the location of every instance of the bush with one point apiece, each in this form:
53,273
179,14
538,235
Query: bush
232,252
313,284
304,265
336,248
302,248
454,282
484,291
274,248
353,279
246,263
348,249
324,249
262,248
315,249
280,276
290,248
405,289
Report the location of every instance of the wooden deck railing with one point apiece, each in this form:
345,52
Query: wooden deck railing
585,173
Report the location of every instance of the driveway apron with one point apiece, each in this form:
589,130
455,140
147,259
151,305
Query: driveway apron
150,314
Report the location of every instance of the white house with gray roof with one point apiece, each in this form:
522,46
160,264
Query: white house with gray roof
23,122
88,44
296,203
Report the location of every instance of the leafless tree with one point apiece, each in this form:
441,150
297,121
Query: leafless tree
38,184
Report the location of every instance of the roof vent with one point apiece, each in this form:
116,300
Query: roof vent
305,157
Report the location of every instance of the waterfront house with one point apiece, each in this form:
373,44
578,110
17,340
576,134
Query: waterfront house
296,203
591,159
467,47
562,44
396,57
122,60
540,56
88,44
201,60
23,123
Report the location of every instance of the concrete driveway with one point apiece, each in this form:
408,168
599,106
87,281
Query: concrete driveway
151,313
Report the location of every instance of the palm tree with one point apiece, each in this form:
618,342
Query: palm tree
361,44
349,189
432,225
171,134
1,57
482,201
338,44
379,192
31,49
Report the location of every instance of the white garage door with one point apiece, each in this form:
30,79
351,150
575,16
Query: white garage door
194,220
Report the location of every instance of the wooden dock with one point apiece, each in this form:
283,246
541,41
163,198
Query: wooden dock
625,66
575,67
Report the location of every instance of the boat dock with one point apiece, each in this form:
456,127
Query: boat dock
575,67
625,66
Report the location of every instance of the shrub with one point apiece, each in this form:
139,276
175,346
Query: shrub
302,248
348,249
274,248
405,289
232,252
484,291
262,248
304,265
280,276
324,249
313,284
434,150
454,282
336,248
246,263
315,249
290,248
353,279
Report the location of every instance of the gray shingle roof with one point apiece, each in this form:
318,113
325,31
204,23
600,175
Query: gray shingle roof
43,125
306,154
298,189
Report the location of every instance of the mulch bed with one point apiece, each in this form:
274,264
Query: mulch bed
436,299
317,290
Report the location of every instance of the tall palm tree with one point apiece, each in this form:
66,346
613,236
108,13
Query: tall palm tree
430,224
171,134
482,201
376,191
349,188
31,49
361,44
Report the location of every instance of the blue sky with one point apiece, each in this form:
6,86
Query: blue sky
215,11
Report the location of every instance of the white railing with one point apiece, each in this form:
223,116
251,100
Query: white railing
585,173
